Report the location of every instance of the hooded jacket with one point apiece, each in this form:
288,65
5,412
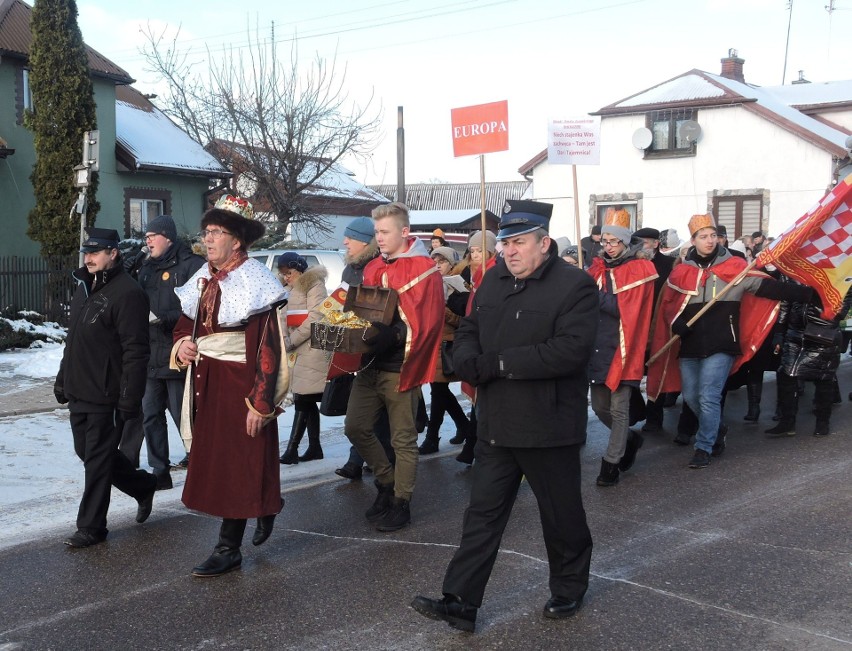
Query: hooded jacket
310,365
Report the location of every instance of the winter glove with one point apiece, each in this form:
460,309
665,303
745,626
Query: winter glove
385,338
123,416
466,370
680,328
488,367
59,394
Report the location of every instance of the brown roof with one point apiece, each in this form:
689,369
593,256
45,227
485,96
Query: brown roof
455,196
16,38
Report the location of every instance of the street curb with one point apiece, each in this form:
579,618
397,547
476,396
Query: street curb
29,411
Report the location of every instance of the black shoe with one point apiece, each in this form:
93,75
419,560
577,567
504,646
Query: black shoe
461,436
449,609
651,426
382,503
396,517
700,459
466,455
682,438
263,529
82,538
311,454
221,561
822,428
429,446
608,475
782,429
634,442
183,464
290,456
350,470
753,413
560,608
164,481
145,506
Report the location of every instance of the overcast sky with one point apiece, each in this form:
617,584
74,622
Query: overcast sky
548,58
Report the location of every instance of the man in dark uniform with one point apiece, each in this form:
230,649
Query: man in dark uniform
102,378
526,347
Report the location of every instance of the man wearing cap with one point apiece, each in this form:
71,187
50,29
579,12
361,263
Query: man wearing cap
722,232
402,358
170,264
525,345
102,378
591,245
719,341
625,281
229,335
757,242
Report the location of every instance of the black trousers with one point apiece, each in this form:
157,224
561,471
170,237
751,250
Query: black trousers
96,443
554,476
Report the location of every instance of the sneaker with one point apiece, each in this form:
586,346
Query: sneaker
701,459
396,517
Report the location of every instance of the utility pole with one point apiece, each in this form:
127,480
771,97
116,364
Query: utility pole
787,45
400,157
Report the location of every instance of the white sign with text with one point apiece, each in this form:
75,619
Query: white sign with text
574,141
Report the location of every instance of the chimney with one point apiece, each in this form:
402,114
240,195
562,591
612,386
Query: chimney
732,66
801,79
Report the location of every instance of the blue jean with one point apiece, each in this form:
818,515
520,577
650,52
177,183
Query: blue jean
702,383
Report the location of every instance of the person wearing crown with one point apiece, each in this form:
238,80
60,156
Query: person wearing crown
625,279
718,342
229,334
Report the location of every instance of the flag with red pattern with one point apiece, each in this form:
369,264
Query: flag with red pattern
816,249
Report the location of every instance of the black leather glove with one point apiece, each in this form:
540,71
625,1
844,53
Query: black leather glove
680,328
123,416
386,337
488,367
59,394
466,370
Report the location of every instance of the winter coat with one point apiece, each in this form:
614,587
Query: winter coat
543,328
159,277
453,312
802,357
106,350
309,365
353,272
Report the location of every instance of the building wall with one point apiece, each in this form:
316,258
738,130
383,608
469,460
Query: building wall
738,151
840,118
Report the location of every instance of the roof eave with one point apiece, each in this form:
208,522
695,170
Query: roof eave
662,106
804,134
184,171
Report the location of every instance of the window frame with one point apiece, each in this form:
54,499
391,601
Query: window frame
672,117
145,195
738,200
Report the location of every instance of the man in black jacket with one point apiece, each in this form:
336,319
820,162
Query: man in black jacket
102,378
526,347
170,264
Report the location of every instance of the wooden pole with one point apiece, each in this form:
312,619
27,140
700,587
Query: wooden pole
577,218
400,158
736,281
482,208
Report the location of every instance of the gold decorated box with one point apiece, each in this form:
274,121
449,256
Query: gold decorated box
335,333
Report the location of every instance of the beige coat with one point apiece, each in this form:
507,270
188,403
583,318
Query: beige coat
310,370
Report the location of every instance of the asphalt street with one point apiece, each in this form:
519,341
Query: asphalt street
754,552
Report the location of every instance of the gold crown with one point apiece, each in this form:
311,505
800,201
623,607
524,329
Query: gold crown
615,217
235,205
697,222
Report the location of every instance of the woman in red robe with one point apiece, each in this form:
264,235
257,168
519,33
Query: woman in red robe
229,333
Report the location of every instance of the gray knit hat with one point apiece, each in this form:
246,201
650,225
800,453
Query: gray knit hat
163,225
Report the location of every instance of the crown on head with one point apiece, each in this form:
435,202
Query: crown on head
618,217
697,222
236,205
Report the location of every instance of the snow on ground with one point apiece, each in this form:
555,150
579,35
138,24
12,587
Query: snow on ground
41,479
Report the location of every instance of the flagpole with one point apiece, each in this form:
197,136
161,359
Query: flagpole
706,307
577,218
482,208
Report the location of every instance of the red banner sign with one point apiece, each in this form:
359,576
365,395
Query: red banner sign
480,129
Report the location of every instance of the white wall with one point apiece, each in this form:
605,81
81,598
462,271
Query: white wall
842,118
738,151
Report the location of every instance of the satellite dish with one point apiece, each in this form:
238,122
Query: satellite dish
690,131
642,138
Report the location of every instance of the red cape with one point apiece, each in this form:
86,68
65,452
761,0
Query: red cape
421,306
633,285
757,316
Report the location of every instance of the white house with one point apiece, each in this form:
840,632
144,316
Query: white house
755,157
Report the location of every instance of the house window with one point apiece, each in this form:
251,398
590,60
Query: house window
26,94
141,205
741,215
602,208
669,140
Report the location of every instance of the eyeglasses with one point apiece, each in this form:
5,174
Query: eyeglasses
610,242
214,233
150,236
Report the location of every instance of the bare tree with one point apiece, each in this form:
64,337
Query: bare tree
278,125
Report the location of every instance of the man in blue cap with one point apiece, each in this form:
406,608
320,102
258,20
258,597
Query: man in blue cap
102,378
526,347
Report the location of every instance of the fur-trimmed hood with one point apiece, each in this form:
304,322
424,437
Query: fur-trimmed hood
310,277
360,261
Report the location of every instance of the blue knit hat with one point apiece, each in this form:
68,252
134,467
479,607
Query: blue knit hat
360,229
292,260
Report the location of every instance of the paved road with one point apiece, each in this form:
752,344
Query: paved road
754,552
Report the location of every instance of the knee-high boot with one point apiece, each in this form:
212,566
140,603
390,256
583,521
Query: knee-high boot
755,392
314,450
300,422
226,555
466,455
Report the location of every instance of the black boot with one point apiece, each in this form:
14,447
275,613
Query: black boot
634,442
430,443
755,391
785,427
300,422
382,503
608,475
314,450
396,517
226,555
263,529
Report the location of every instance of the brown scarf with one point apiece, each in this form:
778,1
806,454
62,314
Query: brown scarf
211,291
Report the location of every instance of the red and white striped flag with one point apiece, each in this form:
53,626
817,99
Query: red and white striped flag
816,249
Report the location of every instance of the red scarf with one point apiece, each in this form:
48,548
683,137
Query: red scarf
211,291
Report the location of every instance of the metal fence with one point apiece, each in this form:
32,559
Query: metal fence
38,284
